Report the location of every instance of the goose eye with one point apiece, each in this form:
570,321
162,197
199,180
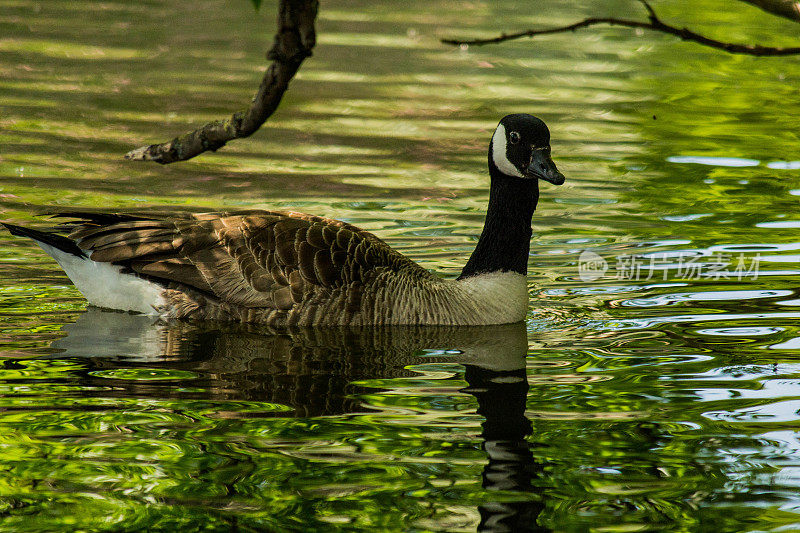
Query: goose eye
513,137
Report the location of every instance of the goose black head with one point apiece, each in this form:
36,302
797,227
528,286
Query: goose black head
521,148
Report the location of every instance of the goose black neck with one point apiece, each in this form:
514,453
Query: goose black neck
505,243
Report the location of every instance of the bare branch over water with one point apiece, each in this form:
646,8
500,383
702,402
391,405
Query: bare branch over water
653,23
294,41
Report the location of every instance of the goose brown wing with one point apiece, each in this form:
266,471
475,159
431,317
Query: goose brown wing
253,259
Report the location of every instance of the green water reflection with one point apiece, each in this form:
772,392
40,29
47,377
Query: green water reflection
655,398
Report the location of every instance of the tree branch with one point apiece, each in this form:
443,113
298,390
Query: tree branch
654,23
294,41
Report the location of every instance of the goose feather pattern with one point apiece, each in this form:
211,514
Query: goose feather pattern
275,268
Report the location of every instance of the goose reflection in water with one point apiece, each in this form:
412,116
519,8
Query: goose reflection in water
314,372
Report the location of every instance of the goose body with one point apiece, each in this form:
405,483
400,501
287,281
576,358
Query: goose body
287,268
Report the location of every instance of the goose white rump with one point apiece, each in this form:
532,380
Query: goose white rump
105,285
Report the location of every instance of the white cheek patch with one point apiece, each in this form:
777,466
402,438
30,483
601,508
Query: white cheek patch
499,153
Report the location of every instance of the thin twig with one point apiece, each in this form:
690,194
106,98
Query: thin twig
651,14
293,43
654,24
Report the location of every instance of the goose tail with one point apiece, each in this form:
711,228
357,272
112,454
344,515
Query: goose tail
103,284
58,242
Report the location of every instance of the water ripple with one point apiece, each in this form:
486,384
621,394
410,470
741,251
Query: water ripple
715,161
707,296
644,323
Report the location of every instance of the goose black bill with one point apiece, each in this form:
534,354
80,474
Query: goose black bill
542,167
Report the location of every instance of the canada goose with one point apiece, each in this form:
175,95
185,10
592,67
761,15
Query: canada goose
295,269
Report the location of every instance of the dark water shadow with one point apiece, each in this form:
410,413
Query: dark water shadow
312,371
